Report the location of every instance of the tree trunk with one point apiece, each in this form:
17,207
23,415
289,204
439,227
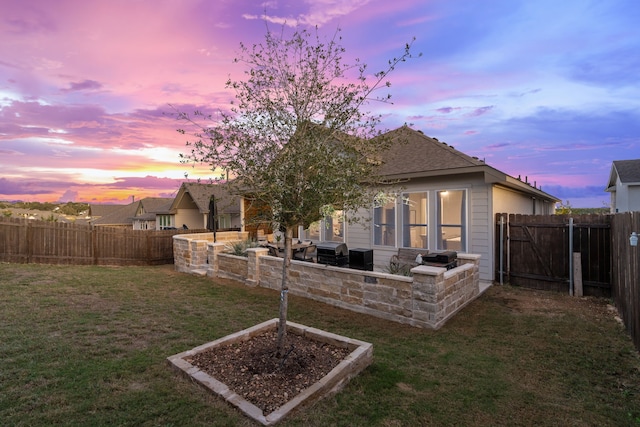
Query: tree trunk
284,293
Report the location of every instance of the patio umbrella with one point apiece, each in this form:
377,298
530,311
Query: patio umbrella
212,216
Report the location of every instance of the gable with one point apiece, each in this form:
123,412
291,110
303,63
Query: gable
194,195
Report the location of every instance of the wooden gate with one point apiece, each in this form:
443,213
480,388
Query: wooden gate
552,252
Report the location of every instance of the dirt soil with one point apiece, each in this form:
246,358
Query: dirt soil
253,370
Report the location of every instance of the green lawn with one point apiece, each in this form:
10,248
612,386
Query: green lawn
87,346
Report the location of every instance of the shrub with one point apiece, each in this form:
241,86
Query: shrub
240,247
395,267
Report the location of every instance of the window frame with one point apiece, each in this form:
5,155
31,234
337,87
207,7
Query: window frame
406,227
464,220
377,229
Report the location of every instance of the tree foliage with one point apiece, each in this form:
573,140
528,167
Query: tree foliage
296,137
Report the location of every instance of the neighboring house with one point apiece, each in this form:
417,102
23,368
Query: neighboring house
624,186
153,213
139,215
447,201
191,207
98,211
113,215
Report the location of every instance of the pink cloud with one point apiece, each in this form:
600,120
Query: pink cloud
480,111
447,110
83,85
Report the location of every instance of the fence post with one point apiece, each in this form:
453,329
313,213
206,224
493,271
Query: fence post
501,249
94,244
29,242
570,256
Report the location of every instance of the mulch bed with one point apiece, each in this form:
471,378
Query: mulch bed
252,369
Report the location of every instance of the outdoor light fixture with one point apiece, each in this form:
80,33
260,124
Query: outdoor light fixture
633,239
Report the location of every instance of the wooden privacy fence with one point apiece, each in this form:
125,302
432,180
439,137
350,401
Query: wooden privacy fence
626,271
555,252
32,241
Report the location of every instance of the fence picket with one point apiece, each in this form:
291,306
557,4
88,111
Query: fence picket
26,241
535,254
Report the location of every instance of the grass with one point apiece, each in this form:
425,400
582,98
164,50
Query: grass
87,346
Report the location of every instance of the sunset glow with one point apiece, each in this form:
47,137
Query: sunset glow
547,90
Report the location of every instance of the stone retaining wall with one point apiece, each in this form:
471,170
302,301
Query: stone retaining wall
190,250
427,300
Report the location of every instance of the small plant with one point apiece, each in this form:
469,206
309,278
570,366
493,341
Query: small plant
240,247
396,268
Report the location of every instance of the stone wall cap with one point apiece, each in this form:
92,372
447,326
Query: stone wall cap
469,256
458,269
428,270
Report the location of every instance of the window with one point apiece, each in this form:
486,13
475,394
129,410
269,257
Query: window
335,227
313,232
384,228
414,220
451,221
164,221
330,229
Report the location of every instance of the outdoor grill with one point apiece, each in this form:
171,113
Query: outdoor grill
446,259
332,253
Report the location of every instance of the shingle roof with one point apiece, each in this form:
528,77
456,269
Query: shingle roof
201,193
102,210
413,153
122,216
628,170
151,206
156,205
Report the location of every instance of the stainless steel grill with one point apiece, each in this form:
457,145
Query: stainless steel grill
332,253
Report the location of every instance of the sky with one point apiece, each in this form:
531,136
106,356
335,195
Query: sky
546,90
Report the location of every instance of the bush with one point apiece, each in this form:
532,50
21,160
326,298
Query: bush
398,269
240,247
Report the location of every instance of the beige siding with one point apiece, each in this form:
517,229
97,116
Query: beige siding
191,217
506,200
634,197
481,230
509,201
359,235
479,222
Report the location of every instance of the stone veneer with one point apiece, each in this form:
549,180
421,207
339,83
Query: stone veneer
190,250
427,300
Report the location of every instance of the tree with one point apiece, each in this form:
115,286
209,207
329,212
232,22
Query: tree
295,138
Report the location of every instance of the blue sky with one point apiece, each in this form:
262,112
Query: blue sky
546,90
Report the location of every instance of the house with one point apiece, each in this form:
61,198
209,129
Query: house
150,213
98,211
447,201
192,207
624,186
120,216
139,215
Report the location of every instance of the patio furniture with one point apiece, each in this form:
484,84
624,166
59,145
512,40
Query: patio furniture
305,253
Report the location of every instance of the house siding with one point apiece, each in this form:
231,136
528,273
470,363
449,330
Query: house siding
479,225
192,218
634,198
483,202
480,231
510,201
